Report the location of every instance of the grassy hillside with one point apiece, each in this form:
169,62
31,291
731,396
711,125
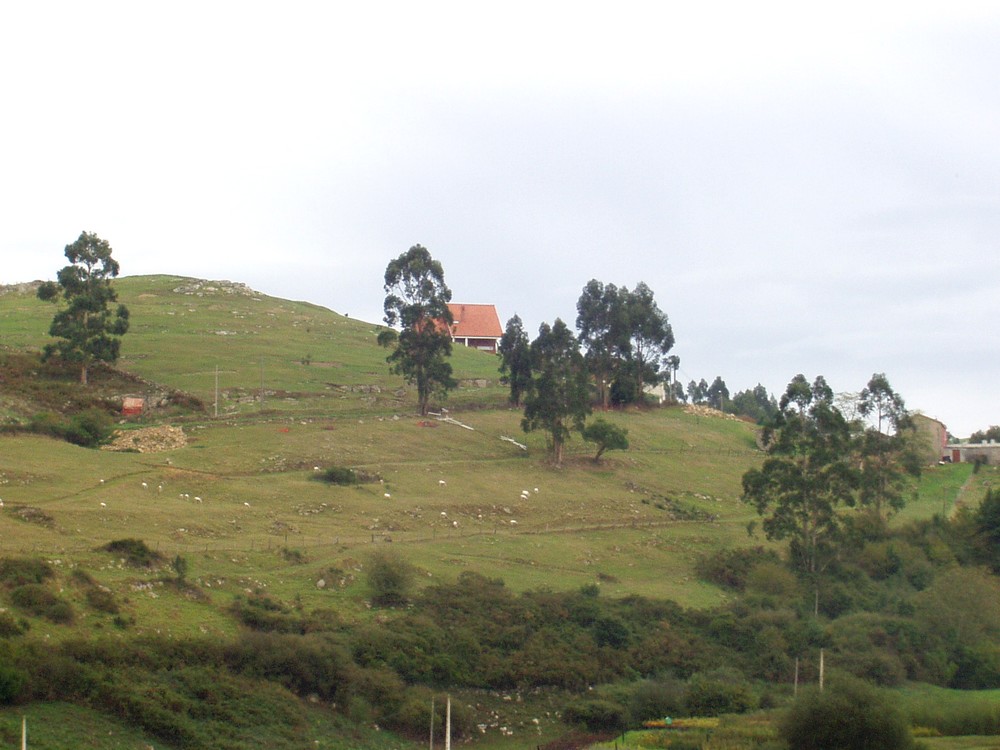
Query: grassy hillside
188,334
450,497
240,502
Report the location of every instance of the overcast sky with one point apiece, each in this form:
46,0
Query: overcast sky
804,190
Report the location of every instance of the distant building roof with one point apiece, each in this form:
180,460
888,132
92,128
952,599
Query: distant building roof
475,321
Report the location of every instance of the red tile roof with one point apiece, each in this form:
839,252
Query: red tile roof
475,321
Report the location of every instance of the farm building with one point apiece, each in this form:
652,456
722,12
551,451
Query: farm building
477,326
986,453
933,438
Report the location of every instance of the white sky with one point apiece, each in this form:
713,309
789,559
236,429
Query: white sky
805,190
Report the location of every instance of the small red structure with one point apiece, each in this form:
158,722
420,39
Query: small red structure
133,406
477,326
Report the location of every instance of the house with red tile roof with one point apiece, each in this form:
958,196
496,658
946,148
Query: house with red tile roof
477,326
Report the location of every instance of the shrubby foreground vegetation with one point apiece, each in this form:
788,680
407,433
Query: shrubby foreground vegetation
912,604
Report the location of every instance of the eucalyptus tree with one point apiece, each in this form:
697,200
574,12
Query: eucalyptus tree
417,302
88,328
515,359
558,400
649,331
887,449
808,477
602,323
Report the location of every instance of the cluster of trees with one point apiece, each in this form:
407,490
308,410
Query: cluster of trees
992,433
622,342
820,464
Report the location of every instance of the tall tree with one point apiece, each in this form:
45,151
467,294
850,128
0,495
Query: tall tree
603,326
808,476
671,365
558,400
417,302
718,393
650,334
88,329
515,360
886,447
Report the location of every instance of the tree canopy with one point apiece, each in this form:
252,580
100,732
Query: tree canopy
417,301
515,360
558,399
808,475
88,329
626,336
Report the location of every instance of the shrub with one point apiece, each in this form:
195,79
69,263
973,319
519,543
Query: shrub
9,626
729,568
35,599
264,614
135,552
102,600
717,693
597,714
390,578
412,716
20,571
12,682
339,475
848,715
89,429
654,699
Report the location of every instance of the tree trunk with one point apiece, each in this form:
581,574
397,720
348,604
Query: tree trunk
83,374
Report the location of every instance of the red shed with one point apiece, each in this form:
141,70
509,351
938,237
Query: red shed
133,406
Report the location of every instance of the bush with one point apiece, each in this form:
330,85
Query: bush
35,599
135,552
654,699
729,568
264,614
717,693
390,578
89,429
848,715
21,571
9,626
597,715
12,682
412,717
339,475
102,600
